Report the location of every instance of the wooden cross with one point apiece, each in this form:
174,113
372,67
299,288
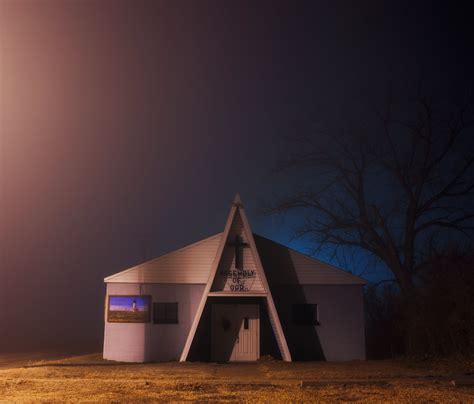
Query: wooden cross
238,244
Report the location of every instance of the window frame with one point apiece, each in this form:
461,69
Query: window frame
166,319
299,319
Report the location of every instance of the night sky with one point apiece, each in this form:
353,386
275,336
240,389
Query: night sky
126,128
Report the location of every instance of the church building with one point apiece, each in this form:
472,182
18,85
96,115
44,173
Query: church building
234,296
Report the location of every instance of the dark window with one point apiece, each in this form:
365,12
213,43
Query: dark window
246,323
165,313
305,314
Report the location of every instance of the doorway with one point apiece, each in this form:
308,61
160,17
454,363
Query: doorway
235,332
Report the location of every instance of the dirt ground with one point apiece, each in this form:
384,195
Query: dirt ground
90,378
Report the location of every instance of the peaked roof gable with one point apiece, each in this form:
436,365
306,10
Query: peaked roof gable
238,271
237,211
191,264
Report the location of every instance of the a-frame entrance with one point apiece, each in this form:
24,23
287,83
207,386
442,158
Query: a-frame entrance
235,332
237,272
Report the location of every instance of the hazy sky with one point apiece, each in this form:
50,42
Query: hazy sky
126,128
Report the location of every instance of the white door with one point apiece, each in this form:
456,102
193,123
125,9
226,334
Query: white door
235,332
247,347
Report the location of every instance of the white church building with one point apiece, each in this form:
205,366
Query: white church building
234,296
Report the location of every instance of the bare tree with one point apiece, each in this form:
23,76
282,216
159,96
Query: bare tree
387,188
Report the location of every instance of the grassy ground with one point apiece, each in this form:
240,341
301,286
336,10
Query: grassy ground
89,378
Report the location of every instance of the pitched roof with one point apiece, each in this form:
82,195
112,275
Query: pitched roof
286,266
191,264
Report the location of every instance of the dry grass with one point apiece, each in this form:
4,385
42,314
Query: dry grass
89,378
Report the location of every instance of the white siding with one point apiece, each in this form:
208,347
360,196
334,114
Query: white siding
227,263
284,266
124,342
310,271
137,342
340,334
190,264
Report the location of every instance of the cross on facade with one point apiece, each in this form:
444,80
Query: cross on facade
238,244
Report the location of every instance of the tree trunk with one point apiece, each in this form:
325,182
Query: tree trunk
408,308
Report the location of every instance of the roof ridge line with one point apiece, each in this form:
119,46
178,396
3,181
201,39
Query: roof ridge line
309,257
162,256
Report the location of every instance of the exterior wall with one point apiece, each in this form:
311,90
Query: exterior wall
340,335
145,342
